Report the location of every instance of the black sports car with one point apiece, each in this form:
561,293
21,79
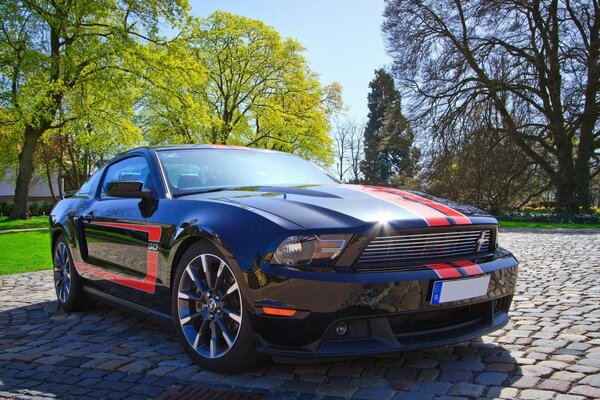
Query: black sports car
259,252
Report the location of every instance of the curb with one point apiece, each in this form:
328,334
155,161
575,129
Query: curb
22,230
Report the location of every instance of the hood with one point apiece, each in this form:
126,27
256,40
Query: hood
346,206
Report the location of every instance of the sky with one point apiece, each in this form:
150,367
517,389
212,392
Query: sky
342,38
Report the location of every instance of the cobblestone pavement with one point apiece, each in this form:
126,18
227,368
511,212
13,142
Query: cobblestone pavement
550,349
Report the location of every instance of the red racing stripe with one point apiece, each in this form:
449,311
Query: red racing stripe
445,271
458,217
431,216
469,267
148,284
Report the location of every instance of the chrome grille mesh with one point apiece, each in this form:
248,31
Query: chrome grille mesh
409,249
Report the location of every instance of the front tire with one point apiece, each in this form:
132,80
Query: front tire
67,283
209,312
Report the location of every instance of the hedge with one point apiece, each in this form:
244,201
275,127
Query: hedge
35,207
550,215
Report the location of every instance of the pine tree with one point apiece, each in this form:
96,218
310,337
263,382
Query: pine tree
388,139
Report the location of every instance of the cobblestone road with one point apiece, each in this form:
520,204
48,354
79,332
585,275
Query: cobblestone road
550,350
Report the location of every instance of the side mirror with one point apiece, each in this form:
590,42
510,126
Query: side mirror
127,189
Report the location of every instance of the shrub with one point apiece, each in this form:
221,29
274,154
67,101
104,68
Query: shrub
35,207
547,214
40,207
5,207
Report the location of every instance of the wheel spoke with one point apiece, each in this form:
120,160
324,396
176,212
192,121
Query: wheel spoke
225,332
64,256
197,340
236,317
64,292
207,272
232,289
59,254
190,318
213,340
59,292
188,295
204,327
220,276
196,279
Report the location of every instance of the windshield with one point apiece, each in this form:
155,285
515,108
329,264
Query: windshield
191,171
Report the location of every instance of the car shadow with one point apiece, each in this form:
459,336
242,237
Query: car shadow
103,350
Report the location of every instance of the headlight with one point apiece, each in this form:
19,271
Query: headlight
301,249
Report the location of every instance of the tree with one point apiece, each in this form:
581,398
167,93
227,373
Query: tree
484,168
348,141
341,138
52,50
397,144
536,62
355,150
173,109
388,139
258,91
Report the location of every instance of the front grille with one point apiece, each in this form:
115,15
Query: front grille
422,321
412,249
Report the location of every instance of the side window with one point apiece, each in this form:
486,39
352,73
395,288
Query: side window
130,169
91,184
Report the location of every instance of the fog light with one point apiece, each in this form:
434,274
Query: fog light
341,329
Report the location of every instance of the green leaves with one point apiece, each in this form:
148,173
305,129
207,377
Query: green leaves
389,152
251,87
70,76
93,78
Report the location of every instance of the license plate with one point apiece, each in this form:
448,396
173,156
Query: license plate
460,289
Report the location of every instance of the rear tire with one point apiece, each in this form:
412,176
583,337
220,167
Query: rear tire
209,312
67,282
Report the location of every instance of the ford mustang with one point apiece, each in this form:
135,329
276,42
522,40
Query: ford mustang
254,252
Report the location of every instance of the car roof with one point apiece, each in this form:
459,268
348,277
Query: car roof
201,146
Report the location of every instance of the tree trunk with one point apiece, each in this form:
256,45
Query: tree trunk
49,178
581,185
572,192
59,183
20,209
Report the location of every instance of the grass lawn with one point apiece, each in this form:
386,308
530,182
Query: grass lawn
24,252
546,225
34,222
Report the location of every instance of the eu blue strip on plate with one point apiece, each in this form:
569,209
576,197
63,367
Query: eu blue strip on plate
437,291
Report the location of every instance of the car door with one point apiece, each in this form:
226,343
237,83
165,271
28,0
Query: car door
121,243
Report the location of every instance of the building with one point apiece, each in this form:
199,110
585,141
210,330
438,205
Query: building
38,190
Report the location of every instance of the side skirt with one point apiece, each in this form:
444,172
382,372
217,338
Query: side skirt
163,319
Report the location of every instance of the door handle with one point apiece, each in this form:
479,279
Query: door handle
88,217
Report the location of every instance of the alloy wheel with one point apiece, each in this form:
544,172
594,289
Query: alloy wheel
209,306
62,271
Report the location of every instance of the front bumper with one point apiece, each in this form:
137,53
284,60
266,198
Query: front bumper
383,312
